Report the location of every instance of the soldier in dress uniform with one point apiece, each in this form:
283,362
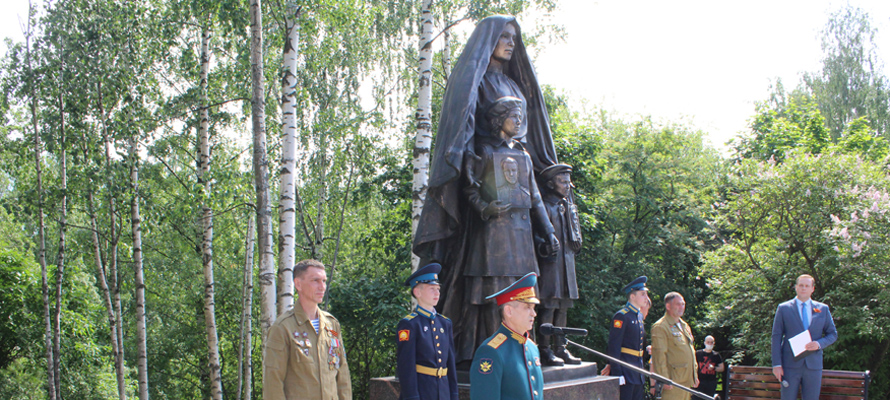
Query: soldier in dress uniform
508,365
425,351
626,337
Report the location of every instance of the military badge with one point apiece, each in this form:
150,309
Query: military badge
426,328
485,366
538,361
404,335
618,323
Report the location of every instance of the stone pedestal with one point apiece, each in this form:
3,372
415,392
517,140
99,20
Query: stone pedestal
571,382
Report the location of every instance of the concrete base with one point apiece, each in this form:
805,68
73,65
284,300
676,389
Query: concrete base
571,382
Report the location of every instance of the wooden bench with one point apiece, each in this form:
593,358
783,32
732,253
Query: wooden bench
752,383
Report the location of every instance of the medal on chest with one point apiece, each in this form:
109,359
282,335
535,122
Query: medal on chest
334,349
302,340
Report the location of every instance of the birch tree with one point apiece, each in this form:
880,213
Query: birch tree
245,354
136,231
41,225
204,180
261,169
60,258
423,138
287,200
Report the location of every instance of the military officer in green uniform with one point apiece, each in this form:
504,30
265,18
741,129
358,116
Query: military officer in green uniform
507,366
304,357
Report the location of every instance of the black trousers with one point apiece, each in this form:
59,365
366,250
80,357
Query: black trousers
631,392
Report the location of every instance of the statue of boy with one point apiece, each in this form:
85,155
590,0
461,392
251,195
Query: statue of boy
557,284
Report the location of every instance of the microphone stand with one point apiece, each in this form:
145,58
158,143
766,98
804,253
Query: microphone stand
562,341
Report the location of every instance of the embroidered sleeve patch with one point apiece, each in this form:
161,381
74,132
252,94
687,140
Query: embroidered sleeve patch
485,366
497,340
618,323
404,335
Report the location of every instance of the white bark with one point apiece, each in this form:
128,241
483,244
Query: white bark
41,224
287,202
60,259
245,356
320,203
207,222
261,170
136,230
111,289
446,53
423,137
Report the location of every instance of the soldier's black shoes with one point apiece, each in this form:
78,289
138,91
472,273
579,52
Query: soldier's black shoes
563,353
550,359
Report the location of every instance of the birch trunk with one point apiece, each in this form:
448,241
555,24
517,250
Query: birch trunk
245,354
136,225
106,296
60,259
111,289
207,221
41,224
261,169
446,53
287,206
423,138
322,192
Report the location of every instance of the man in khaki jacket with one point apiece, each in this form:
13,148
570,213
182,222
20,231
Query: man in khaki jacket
304,357
672,351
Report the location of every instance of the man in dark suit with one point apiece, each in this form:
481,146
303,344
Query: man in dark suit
803,373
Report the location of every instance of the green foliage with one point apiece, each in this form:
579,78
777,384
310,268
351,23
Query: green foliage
851,84
19,305
644,191
369,308
781,220
786,122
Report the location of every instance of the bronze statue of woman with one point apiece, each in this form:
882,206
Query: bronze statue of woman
494,64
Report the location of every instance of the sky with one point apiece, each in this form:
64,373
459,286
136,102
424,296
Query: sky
701,62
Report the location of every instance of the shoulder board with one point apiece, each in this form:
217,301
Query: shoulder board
496,341
623,310
410,316
446,318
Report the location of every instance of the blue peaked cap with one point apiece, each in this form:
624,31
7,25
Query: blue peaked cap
427,274
637,284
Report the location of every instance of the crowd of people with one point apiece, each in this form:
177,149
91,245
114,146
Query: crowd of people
304,355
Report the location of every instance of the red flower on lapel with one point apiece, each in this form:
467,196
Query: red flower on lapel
817,310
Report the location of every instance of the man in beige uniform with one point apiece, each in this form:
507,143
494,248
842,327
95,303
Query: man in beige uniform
304,357
672,351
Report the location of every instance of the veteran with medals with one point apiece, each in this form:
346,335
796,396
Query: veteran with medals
673,354
508,365
304,357
425,350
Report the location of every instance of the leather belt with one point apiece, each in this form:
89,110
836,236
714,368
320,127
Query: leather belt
437,372
636,353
